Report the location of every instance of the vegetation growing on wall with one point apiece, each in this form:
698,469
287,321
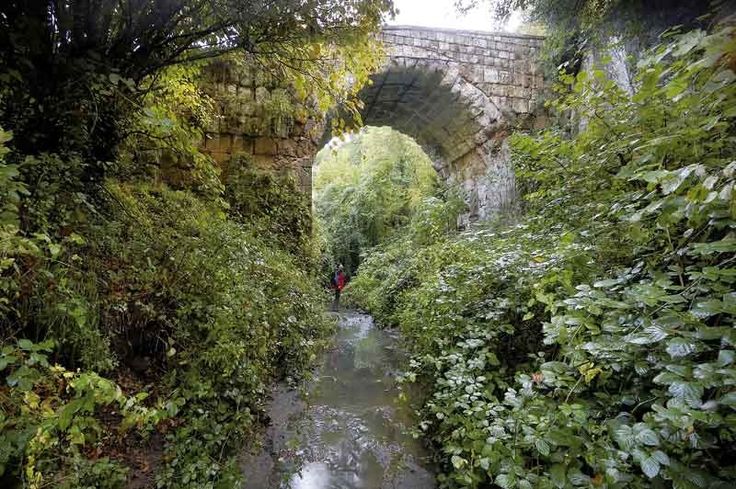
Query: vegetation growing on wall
146,304
590,344
575,29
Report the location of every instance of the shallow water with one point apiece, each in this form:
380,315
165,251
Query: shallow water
349,430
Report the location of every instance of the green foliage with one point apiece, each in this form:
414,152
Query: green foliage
231,311
12,244
162,141
117,244
367,189
170,279
72,76
263,198
50,417
577,30
591,343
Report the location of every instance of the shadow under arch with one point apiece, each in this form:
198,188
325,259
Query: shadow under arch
459,127
458,93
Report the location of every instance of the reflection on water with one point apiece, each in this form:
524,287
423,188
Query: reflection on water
314,474
350,434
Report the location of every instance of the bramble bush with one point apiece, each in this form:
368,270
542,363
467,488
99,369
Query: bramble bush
591,342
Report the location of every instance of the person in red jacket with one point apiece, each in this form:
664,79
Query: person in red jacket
338,283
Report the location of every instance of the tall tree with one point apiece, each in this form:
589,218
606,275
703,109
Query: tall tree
70,70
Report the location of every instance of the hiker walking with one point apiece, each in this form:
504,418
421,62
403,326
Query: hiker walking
337,283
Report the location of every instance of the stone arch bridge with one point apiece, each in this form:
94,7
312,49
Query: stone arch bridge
457,93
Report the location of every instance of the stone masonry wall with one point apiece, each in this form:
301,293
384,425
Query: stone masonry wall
259,117
502,65
458,93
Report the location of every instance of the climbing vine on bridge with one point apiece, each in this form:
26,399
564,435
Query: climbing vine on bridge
590,343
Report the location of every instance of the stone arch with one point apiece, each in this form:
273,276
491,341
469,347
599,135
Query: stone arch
458,93
459,127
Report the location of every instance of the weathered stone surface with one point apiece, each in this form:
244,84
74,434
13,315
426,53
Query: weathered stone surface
458,93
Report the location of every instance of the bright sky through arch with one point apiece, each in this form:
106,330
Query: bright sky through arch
442,13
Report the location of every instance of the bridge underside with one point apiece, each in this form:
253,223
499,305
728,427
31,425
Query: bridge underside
457,125
459,94
415,102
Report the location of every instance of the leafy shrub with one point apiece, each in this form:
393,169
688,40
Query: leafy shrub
263,198
50,419
591,343
213,313
117,248
231,313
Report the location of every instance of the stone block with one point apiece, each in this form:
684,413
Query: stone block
246,78
491,75
214,125
246,93
263,79
520,105
242,144
252,126
262,95
248,108
221,143
286,147
478,71
264,161
521,92
266,146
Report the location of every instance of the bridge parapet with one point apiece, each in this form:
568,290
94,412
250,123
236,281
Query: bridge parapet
458,93
502,65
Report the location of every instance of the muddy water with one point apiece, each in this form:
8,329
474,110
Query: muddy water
348,431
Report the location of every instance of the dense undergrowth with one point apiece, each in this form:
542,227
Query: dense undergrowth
164,296
591,342
148,296
367,189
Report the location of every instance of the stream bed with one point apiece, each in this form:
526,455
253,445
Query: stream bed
349,430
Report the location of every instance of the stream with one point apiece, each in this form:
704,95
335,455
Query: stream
349,430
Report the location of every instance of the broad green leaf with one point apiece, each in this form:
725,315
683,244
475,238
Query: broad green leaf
650,467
